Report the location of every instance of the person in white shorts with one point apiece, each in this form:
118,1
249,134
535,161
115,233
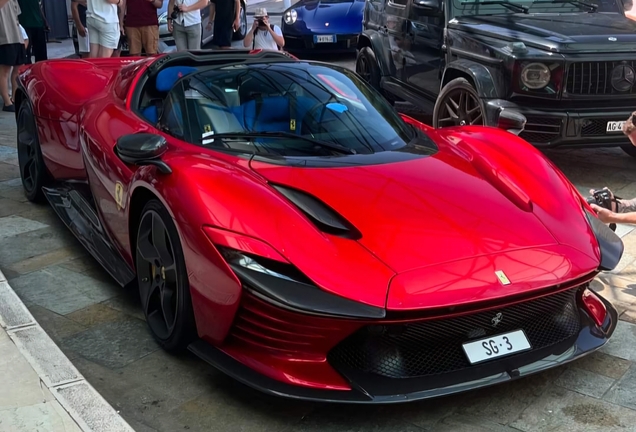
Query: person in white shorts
104,26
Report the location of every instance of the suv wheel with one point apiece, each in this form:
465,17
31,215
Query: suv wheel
367,67
629,149
458,104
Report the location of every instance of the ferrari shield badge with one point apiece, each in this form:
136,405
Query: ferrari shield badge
119,195
292,124
502,277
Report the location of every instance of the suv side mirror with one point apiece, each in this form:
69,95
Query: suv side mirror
511,121
143,149
427,7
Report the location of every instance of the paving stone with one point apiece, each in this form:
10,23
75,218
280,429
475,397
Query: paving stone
127,303
621,292
15,225
622,344
80,264
624,392
20,383
12,207
12,189
629,314
49,417
487,403
62,291
564,410
603,364
46,260
96,314
113,344
584,382
8,171
469,424
27,245
56,326
9,155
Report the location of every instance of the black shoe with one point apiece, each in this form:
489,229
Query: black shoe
9,108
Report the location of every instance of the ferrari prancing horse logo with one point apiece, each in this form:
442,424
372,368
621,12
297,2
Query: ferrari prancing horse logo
119,195
502,277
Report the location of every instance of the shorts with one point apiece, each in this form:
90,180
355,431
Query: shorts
13,54
83,42
103,33
146,37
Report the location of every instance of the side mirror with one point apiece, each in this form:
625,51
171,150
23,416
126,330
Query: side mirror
427,7
143,149
511,121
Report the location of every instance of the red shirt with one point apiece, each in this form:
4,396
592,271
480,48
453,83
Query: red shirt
140,13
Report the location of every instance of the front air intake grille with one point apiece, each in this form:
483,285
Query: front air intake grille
435,346
541,130
595,78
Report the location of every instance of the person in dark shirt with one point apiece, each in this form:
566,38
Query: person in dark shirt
225,15
142,26
34,22
78,10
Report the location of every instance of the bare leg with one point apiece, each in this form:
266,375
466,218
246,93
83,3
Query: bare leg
94,50
14,81
5,71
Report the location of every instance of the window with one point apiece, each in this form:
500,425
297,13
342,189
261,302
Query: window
173,117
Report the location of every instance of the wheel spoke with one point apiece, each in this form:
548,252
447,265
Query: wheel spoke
168,307
147,291
159,241
476,120
32,171
461,106
146,249
171,274
451,112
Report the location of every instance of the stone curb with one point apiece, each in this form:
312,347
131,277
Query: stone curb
84,404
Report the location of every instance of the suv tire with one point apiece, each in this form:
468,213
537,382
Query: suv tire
367,67
458,104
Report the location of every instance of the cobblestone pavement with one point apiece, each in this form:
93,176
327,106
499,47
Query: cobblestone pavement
102,330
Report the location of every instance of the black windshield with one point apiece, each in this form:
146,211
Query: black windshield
289,109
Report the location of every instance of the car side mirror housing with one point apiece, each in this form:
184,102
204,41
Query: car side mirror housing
430,8
511,121
143,149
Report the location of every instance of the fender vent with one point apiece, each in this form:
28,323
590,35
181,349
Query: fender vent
323,216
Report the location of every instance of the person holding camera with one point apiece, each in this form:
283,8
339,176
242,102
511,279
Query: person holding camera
264,35
184,23
609,208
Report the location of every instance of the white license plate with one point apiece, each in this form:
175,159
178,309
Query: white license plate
324,39
496,346
615,126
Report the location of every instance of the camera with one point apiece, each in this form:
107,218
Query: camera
602,198
175,13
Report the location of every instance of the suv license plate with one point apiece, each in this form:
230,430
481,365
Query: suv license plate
615,126
496,346
325,39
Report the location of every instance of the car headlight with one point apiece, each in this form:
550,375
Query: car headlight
163,18
535,76
291,16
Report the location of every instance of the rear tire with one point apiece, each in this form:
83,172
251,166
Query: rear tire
164,289
30,160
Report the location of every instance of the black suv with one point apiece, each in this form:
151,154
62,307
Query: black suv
568,66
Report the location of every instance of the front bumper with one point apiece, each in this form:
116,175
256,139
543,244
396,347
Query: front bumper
368,388
298,43
576,127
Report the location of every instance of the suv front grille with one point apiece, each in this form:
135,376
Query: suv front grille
594,78
434,347
541,130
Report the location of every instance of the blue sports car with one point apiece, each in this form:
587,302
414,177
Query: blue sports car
324,25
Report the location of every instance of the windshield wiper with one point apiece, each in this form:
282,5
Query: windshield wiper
512,6
273,134
574,2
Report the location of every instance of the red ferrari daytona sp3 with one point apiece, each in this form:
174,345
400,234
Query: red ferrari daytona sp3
282,221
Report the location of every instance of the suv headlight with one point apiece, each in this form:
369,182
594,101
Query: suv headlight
163,18
535,76
291,16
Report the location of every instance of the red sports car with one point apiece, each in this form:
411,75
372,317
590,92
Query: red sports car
282,221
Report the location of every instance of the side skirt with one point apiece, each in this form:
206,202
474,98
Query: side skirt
79,216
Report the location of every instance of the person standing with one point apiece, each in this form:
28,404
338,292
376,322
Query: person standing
186,26
226,17
34,22
264,35
103,23
12,51
78,11
142,26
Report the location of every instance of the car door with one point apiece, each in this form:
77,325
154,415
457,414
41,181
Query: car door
425,35
395,12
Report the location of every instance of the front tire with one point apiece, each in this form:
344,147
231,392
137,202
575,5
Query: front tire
163,281
458,104
30,160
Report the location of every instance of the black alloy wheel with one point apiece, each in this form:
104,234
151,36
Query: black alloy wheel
367,67
458,105
162,277
30,160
